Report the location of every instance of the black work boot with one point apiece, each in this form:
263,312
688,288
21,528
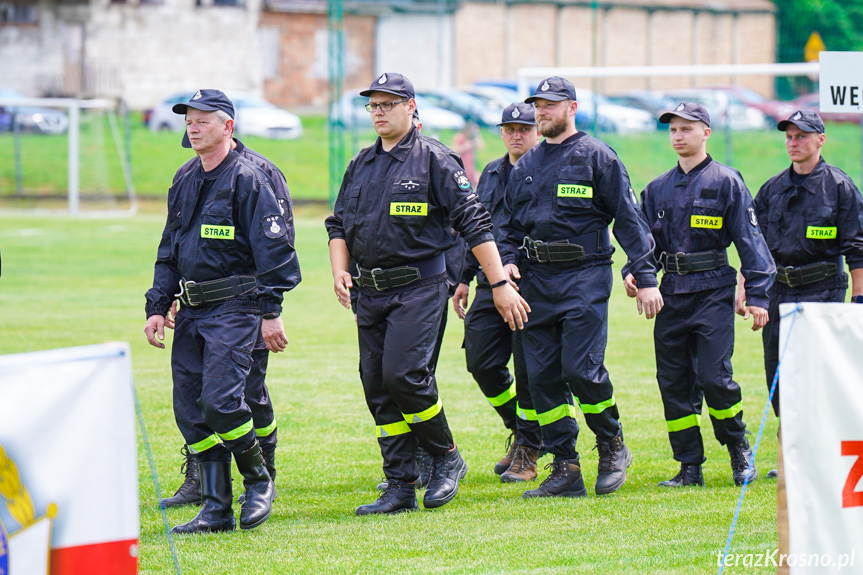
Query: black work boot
397,496
742,463
689,474
425,462
565,480
270,464
614,458
260,490
189,492
506,460
216,513
447,471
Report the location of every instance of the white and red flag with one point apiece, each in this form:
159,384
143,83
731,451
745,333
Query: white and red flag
68,463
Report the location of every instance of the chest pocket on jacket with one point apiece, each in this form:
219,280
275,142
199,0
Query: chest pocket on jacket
573,187
409,206
821,223
707,220
218,229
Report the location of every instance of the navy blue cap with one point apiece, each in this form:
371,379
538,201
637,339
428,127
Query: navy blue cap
554,89
518,114
806,121
391,83
416,114
687,111
206,101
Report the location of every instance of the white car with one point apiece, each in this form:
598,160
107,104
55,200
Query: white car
725,109
351,113
253,116
614,117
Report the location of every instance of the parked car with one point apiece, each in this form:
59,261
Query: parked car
812,103
253,116
653,103
470,107
725,109
611,117
351,113
30,118
495,96
775,109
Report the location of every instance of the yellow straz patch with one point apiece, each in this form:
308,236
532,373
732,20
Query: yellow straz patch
217,232
574,191
816,233
709,222
408,209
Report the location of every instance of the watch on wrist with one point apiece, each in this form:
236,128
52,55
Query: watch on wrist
271,315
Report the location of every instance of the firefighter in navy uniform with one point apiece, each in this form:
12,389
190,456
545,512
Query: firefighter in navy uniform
488,344
225,249
398,200
256,393
695,211
562,196
811,215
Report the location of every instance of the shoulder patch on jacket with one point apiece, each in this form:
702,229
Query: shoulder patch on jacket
274,226
461,180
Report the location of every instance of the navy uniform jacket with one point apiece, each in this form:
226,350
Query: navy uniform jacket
815,222
223,223
672,204
490,190
397,207
539,203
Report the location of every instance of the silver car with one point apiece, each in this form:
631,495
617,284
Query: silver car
29,118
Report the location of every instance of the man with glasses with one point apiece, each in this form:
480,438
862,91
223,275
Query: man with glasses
398,200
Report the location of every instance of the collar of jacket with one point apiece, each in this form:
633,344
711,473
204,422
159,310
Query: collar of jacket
217,171
812,183
401,150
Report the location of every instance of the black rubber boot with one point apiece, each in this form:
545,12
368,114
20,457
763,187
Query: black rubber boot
689,474
260,490
447,471
189,492
216,513
270,464
565,480
397,496
614,458
742,463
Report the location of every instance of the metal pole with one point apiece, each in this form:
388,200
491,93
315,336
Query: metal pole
19,172
74,117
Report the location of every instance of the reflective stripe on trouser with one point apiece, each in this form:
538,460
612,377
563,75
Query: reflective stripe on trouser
210,361
258,397
770,332
564,348
397,335
694,338
488,346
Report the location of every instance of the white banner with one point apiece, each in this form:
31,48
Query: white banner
821,403
68,463
840,82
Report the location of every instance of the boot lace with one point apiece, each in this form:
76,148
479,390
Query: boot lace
738,459
520,460
190,462
510,446
558,470
607,454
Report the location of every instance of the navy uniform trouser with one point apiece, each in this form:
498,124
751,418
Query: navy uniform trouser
770,332
694,340
258,397
488,345
564,349
210,360
398,331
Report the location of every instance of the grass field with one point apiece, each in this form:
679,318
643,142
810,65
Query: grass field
69,282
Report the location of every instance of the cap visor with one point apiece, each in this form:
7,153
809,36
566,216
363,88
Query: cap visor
525,122
805,126
552,97
665,118
368,93
181,108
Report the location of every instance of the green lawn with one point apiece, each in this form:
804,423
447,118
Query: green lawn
68,282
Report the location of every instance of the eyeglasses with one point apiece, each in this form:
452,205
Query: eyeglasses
384,106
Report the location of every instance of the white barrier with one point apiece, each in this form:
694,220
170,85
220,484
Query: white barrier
68,463
821,395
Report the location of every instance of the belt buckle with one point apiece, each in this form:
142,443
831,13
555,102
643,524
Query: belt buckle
183,295
677,259
787,272
374,272
526,245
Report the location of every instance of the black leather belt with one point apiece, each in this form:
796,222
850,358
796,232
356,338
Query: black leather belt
802,275
564,250
392,278
194,293
682,263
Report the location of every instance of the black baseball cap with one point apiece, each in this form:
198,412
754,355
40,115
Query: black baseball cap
391,83
554,89
518,114
206,101
806,121
687,111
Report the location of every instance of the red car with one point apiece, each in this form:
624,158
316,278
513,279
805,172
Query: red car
811,102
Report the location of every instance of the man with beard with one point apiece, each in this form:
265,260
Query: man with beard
561,198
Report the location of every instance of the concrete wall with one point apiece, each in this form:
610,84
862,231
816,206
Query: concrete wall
420,46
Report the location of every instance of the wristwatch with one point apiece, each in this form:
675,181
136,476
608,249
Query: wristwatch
271,315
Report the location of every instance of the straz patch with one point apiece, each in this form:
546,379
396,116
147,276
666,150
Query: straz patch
709,222
816,233
461,180
217,232
274,226
574,191
408,209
